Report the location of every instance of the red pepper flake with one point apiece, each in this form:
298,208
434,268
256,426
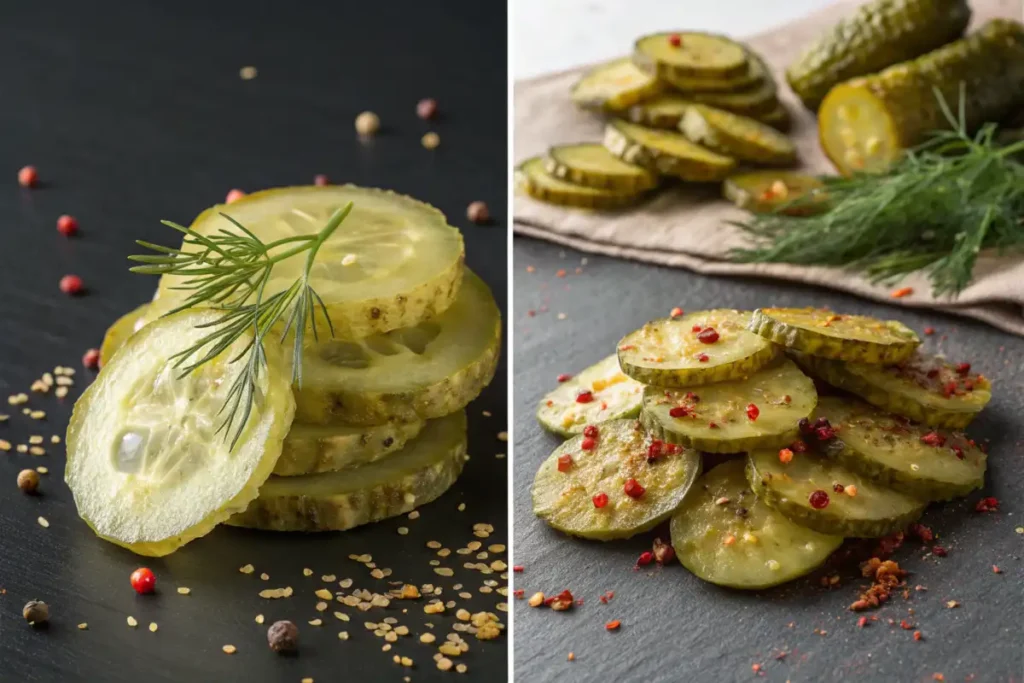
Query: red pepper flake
591,431
91,359
824,433
663,552
585,397
675,312
655,450
862,622
939,551
785,455
702,358
905,625
560,273
564,378
517,568
320,180
690,396
233,196
696,328
600,500
958,452
28,176
646,557
818,499
71,285
940,677
752,412
756,668
519,593
708,335
613,625
588,443
673,449
987,504
67,225
922,532
675,40
627,347
917,635
887,576
798,447
562,601
996,570
564,462
949,389
680,411
712,425
901,292
929,331
963,369
838,488
933,439
633,489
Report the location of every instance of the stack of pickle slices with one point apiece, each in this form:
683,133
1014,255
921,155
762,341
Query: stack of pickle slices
863,461
375,429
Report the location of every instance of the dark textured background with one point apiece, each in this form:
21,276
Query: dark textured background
678,628
134,112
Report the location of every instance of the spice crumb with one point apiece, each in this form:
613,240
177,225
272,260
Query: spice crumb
153,627
247,569
431,140
83,626
45,523
259,618
229,649
247,73
132,622
183,590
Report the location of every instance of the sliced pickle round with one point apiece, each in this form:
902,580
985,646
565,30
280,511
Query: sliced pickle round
824,333
395,485
392,263
309,449
760,411
661,111
910,458
697,348
690,55
533,179
592,165
665,152
414,373
725,535
737,136
618,487
601,392
924,388
788,192
146,464
123,328
822,495
614,86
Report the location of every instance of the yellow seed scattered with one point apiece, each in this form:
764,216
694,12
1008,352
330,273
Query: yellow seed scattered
367,123
461,668
315,622
321,607
229,649
343,635
433,608
36,450
22,448
403,531
183,590
259,618
247,569
536,600
428,638
444,664
324,594
35,439
5,445
449,649
247,73
431,140
153,627
265,576
132,622
43,522
83,626
54,439
37,414
444,571
61,392
415,514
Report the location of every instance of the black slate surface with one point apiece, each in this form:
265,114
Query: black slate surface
677,628
134,112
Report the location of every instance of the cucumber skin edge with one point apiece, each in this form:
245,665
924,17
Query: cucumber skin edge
823,346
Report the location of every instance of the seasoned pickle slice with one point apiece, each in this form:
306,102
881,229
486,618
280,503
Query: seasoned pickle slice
873,510
600,393
678,352
123,328
737,136
725,535
915,460
309,449
592,165
788,192
688,54
661,111
757,96
145,462
535,181
614,86
565,499
336,501
688,85
415,373
730,417
393,262
924,388
821,332
665,152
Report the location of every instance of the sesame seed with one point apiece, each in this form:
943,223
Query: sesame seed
183,590
247,569
153,627
132,622
43,522
229,649
247,73
259,618
83,626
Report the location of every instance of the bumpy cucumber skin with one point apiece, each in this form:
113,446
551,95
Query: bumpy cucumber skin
598,201
879,34
708,126
622,100
668,71
825,346
631,183
621,145
327,454
628,411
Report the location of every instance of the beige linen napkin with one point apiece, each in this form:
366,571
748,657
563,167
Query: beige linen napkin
687,228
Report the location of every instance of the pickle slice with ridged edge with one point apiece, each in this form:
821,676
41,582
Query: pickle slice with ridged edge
614,86
415,373
533,179
592,165
788,192
309,449
821,332
737,136
123,328
924,388
688,85
716,418
565,500
612,396
145,462
909,458
874,511
669,352
690,55
740,542
336,501
665,152
660,111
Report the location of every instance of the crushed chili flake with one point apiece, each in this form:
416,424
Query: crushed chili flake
588,443
633,489
752,412
996,570
585,397
517,568
963,368
708,336
886,575
560,273
901,292
564,462
933,439
591,431
917,635
561,602
798,447
646,557
785,455
519,593
939,551
696,328
663,552
675,40
600,500
712,425
929,331
922,532
905,625
702,358
838,488
680,411
613,625
940,677
987,504
675,312
958,452
564,378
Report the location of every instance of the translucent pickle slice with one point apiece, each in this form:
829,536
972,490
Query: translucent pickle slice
393,263
688,54
614,86
533,179
725,535
823,333
144,462
737,136
592,165
601,392
309,449
616,488
788,192
679,352
123,328
665,152
336,501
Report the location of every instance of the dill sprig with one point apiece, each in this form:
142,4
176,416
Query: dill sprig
229,272
934,210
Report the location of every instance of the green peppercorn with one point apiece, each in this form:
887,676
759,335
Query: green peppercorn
36,612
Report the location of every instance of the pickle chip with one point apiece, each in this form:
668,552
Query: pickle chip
309,449
826,497
924,388
592,165
697,348
689,85
395,485
916,460
660,111
725,535
821,332
737,136
146,464
123,328
533,179
622,485
614,86
601,392
788,192
760,411
665,152
690,55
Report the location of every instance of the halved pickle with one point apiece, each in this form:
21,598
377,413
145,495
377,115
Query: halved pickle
916,460
336,501
718,418
725,535
660,111
670,352
393,262
665,152
145,463
533,179
592,165
873,511
924,388
788,192
614,86
601,392
309,449
688,54
824,333
415,373
565,499
123,328
737,136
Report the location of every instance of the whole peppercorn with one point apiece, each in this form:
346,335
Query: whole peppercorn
91,359
67,225
426,108
36,612
283,637
71,285
478,212
367,123
143,580
28,481
28,176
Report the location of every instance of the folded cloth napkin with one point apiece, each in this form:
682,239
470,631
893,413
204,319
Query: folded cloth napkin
689,229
